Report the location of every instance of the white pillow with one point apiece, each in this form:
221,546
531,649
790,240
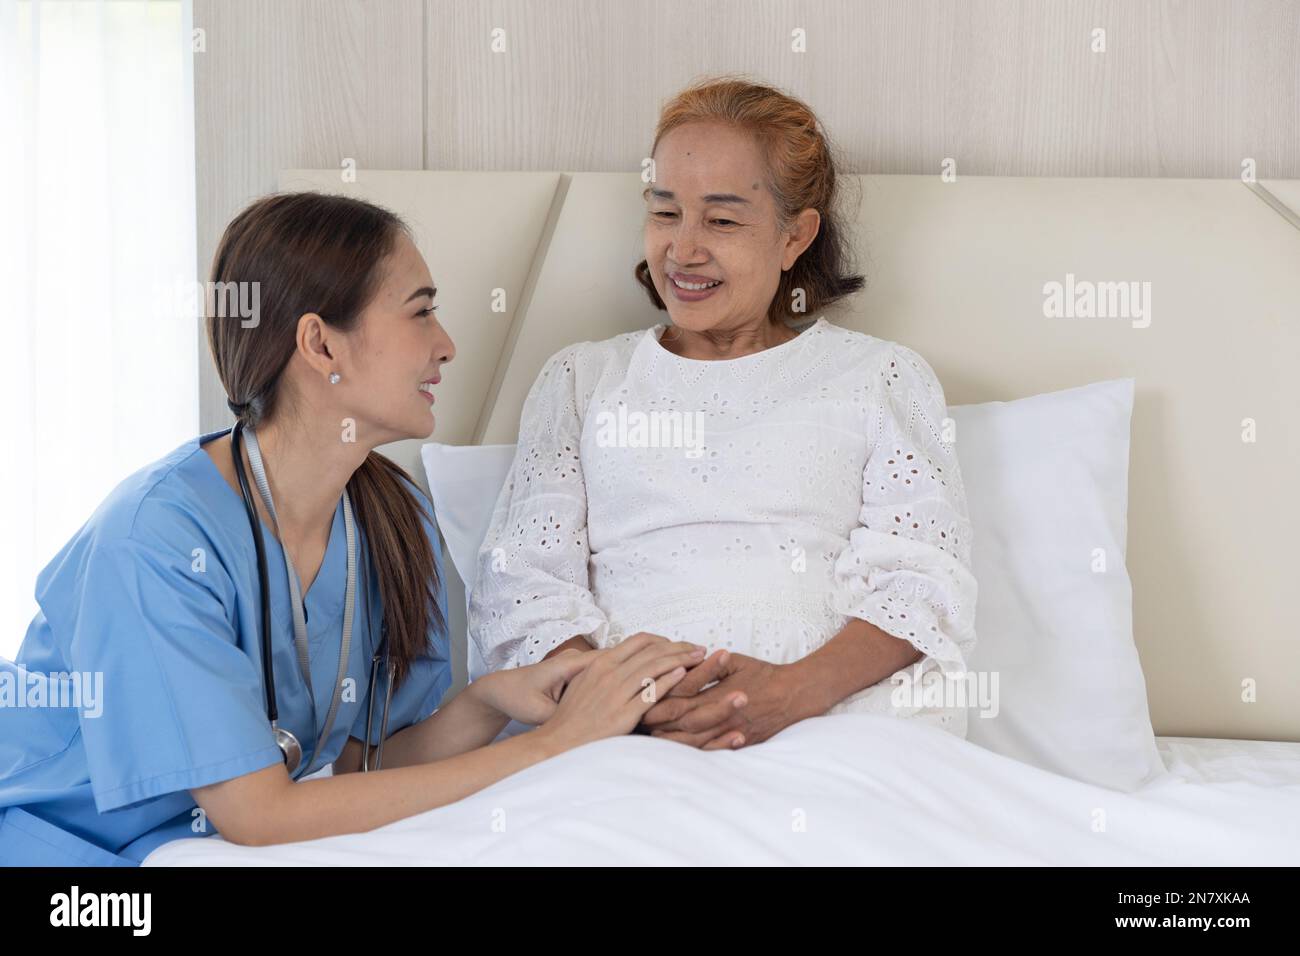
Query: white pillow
464,482
1047,486
1047,483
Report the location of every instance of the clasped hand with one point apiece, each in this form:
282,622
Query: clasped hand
726,701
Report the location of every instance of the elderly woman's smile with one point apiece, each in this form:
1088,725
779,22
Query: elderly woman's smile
692,288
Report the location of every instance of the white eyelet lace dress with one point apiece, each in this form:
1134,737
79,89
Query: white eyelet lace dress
755,504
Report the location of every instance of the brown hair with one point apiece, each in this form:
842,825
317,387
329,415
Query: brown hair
311,252
800,175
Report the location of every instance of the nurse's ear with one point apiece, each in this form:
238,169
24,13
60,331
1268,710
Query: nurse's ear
319,344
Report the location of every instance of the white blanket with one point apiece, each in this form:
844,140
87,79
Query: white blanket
843,789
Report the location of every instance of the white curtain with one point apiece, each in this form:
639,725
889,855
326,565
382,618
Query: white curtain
99,356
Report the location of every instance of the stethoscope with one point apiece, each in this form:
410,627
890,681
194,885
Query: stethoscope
284,739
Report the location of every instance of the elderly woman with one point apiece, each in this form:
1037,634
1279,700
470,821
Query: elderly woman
811,529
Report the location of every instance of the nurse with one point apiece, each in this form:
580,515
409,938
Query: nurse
135,711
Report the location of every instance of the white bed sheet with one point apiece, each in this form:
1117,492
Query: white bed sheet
1263,763
843,789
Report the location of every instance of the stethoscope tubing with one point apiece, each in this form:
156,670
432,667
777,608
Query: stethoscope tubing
285,739
263,588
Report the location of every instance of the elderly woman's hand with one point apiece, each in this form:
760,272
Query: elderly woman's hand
751,701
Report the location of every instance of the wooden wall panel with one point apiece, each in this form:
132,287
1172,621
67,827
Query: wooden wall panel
1005,88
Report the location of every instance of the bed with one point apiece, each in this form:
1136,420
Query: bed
850,789
1199,615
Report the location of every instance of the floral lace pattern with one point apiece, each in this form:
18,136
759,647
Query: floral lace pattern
757,503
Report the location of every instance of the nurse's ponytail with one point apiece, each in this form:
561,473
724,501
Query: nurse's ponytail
391,516
311,252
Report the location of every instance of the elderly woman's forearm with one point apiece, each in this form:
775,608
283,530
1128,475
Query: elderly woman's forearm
578,643
856,658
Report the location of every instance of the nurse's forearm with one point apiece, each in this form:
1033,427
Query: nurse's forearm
358,802
464,723
267,807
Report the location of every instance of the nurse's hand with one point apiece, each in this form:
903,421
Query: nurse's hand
616,687
529,694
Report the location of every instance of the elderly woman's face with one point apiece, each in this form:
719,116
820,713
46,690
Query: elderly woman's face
712,237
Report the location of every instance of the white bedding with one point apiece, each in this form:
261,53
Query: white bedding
842,789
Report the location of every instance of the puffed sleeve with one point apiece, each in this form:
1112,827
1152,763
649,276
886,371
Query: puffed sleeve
532,592
430,676
181,703
907,567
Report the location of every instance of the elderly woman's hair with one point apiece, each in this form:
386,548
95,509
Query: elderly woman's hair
800,175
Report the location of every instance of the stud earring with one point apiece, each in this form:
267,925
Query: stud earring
334,378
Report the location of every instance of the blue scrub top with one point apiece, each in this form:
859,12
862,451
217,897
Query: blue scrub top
158,593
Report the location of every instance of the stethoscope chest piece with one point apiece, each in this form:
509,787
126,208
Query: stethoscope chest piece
289,747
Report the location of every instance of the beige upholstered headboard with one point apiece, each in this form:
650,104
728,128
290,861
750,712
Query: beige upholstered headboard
956,270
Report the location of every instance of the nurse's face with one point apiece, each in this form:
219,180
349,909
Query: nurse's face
397,351
713,241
